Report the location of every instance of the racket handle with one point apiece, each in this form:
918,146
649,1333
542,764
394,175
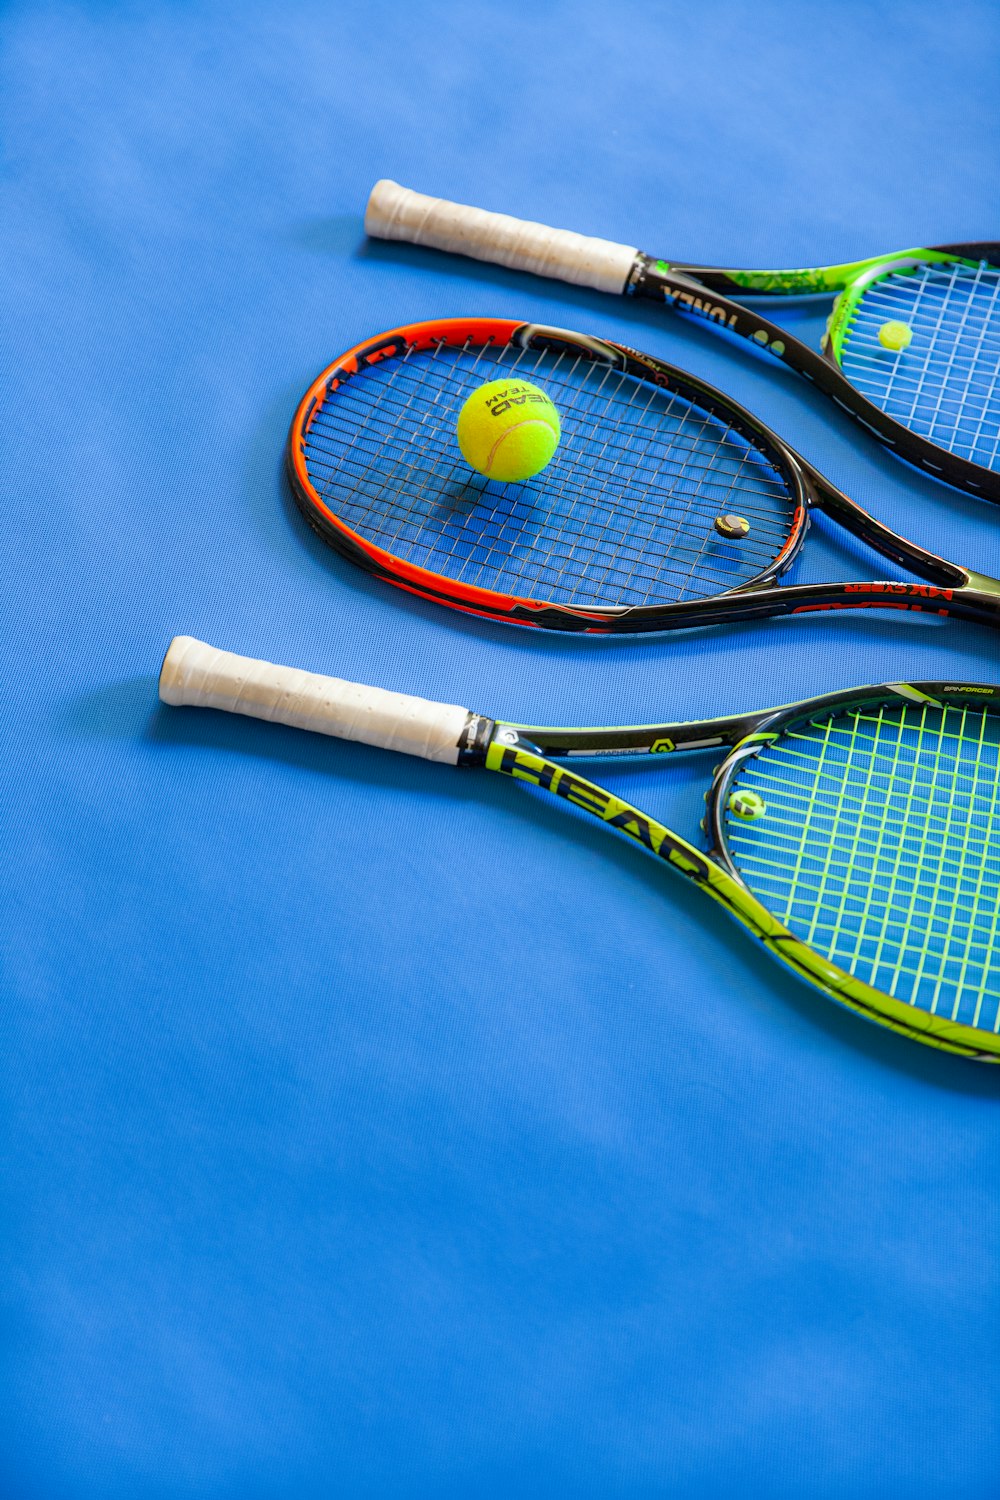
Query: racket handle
396,213
200,676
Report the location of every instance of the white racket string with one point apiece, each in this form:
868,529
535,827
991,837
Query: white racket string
944,384
624,514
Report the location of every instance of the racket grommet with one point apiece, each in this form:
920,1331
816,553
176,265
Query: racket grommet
734,528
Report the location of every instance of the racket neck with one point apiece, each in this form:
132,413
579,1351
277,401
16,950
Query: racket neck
808,281
687,291
812,281
511,756
599,743
982,583
855,519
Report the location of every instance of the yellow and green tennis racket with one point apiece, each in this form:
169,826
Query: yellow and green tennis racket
856,835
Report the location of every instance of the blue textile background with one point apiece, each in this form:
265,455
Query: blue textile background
370,1129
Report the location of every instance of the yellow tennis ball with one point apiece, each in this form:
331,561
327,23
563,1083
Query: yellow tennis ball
895,336
508,430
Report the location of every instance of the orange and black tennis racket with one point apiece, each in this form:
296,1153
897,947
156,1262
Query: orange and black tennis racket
666,504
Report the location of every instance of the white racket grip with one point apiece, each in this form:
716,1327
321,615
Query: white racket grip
397,213
201,676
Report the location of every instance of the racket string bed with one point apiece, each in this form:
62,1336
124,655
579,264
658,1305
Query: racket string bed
608,441
627,564
838,800
898,876
424,456
953,365
891,901
880,846
945,385
939,300
623,515
611,507
582,551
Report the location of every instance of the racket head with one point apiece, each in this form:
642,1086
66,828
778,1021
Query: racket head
939,384
870,827
618,531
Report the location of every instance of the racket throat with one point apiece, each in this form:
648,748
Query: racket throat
475,740
982,583
658,281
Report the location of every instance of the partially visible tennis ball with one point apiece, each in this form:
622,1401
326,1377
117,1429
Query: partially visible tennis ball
508,430
895,336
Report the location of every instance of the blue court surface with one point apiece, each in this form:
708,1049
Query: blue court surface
373,1129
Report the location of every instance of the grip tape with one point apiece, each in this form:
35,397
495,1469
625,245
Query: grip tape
200,676
397,213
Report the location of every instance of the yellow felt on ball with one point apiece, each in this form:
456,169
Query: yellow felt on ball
508,430
895,336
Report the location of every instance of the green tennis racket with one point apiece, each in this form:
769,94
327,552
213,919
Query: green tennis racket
856,835
912,349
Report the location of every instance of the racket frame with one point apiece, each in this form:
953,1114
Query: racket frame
947,590
538,755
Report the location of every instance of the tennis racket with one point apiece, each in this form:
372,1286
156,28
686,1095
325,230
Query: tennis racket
912,349
666,504
855,835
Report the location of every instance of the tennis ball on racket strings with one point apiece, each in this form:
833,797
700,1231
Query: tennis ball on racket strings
508,430
895,335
